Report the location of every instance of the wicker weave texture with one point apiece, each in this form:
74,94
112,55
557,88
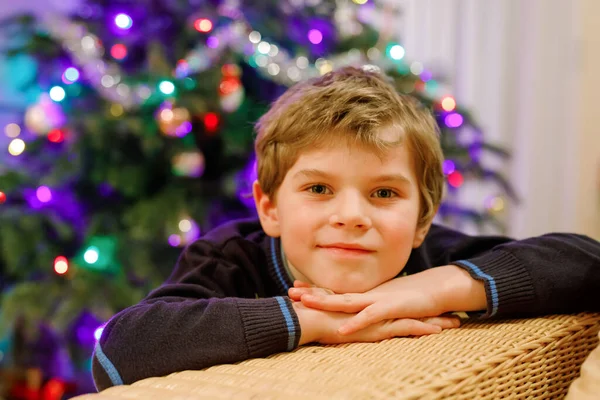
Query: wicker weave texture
513,359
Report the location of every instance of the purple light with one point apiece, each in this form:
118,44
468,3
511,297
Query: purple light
453,120
212,42
426,75
98,332
183,129
244,185
43,194
174,240
448,167
315,36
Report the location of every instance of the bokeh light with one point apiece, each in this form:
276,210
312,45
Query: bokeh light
455,179
397,52
448,103
70,75
123,21
91,255
203,25
315,36
44,194
118,51
57,93
453,120
16,147
61,265
12,130
166,87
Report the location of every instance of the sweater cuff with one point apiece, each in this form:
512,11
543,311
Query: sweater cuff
508,285
270,325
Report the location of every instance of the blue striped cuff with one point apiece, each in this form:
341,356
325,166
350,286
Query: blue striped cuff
289,322
491,284
107,365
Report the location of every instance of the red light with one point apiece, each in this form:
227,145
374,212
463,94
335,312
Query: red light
61,265
455,179
229,85
2,197
211,121
229,70
203,25
56,136
118,51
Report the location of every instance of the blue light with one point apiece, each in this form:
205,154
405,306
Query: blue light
71,74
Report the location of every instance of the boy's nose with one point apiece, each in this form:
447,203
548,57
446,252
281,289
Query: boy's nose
350,213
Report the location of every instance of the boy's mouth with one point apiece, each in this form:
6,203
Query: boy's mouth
346,248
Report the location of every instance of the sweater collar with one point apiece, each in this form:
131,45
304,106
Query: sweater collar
278,266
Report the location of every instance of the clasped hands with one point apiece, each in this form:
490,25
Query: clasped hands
413,305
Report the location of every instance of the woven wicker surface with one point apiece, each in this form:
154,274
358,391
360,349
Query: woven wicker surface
517,359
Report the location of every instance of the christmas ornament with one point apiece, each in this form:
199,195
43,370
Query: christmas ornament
44,116
190,164
173,121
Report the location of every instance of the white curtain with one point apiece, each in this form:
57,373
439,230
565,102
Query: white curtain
518,66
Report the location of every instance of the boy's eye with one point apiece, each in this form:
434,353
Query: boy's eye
385,193
318,189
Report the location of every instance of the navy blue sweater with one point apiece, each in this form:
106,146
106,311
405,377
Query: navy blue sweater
226,300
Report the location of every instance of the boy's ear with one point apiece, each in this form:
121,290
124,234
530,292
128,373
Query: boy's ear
420,234
267,211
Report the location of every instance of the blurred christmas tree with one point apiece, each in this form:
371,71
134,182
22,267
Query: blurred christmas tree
141,138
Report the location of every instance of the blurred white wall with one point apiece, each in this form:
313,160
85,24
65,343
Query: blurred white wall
529,70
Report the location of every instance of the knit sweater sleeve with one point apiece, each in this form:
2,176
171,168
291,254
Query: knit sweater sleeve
207,313
548,274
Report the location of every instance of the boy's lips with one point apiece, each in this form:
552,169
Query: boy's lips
346,249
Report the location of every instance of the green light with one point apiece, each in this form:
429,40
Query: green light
166,87
395,51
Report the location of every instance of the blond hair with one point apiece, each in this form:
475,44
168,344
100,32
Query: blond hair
352,104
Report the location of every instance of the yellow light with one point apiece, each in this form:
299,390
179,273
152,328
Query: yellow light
116,110
185,225
497,204
324,66
12,130
16,147
361,2
448,103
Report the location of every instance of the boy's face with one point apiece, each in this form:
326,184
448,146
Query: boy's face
347,219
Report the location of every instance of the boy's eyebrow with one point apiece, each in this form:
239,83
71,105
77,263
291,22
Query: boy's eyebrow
316,173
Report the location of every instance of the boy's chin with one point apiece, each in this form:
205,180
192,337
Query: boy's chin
347,286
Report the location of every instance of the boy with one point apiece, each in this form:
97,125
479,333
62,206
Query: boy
349,180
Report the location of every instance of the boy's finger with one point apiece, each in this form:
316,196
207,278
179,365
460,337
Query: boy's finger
296,292
348,303
370,315
443,322
301,284
412,327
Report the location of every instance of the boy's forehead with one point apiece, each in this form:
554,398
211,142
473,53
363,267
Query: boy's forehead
346,157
